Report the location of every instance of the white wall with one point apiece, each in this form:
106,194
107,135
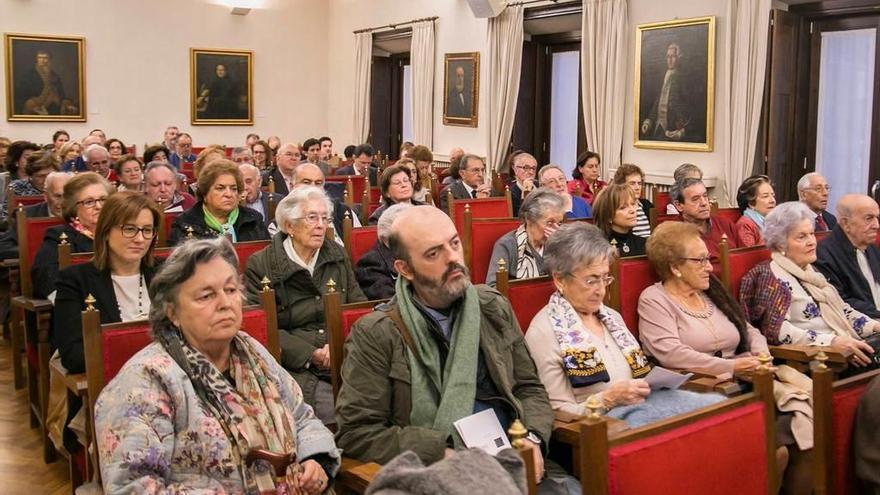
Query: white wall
137,64
455,31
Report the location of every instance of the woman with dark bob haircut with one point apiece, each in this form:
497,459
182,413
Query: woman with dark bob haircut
586,183
756,200
183,414
218,212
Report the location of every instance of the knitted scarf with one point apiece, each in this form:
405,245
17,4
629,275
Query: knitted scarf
754,216
250,410
441,397
526,264
581,360
227,228
831,306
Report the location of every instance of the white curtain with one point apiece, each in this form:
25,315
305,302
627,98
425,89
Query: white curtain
750,22
422,62
505,58
604,41
363,62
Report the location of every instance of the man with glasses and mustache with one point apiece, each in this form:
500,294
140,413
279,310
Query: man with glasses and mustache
692,202
813,191
473,183
441,350
524,169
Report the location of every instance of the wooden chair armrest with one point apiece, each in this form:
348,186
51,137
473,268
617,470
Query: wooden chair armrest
355,475
807,353
568,432
31,304
705,381
75,383
10,263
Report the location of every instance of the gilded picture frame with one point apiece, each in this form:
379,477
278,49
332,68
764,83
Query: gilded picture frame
674,85
221,86
45,78
461,89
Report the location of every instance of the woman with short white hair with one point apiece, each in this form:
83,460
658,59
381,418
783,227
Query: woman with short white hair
792,303
299,261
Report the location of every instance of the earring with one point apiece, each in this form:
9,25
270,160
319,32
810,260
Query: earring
677,274
782,253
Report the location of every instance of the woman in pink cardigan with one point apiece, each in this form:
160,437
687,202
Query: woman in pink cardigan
690,321
756,200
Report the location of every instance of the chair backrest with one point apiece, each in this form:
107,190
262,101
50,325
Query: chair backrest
736,263
339,318
731,214
631,277
16,201
164,232
834,410
496,207
355,185
726,448
375,195
478,238
527,296
820,236
661,200
30,235
667,218
246,249
358,241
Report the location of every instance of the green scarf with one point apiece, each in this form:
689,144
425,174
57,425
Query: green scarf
222,228
440,400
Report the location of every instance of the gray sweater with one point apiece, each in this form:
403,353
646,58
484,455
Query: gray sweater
505,247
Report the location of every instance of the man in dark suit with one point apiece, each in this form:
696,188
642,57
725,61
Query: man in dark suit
472,183
363,161
459,98
848,257
286,162
669,118
182,151
813,191
254,197
524,169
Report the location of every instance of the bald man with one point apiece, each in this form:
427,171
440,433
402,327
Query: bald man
254,197
849,257
286,160
389,402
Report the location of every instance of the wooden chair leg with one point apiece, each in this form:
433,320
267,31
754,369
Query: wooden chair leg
16,346
43,324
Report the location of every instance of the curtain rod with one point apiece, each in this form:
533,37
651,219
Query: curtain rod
529,2
395,25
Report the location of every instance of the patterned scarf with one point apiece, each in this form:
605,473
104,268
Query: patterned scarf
227,228
250,410
526,264
581,360
79,227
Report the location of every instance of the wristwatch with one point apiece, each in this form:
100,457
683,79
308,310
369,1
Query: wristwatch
534,438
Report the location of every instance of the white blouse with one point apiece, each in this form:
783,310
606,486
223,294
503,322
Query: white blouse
131,296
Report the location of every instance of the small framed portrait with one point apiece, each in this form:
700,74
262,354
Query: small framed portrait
221,87
675,84
45,78
461,89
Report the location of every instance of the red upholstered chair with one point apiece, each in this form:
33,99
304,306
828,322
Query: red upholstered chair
735,263
527,296
165,222
631,277
108,347
355,185
820,236
16,201
665,218
375,195
197,149
727,448
357,241
834,409
660,199
731,214
245,250
496,207
478,238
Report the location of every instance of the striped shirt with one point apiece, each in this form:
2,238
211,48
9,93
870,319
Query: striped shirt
643,225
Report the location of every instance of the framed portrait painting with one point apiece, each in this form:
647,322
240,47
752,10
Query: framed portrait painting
221,87
675,84
461,89
45,78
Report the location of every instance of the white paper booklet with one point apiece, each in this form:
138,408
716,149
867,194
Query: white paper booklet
660,378
483,431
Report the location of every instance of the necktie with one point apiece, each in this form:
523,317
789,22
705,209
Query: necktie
474,194
821,226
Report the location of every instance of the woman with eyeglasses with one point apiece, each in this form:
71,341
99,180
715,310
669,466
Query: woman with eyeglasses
396,185
756,200
84,196
217,211
583,350
541,213
615,212
117,278
299,262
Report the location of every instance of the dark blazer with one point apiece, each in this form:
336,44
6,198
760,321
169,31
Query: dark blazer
349,170
9,239
280,184
44,273
628,244
264,200
74,284
458,192
375,272
836,259
830,219
516,198
248,227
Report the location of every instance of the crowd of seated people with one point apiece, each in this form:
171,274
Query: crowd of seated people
440,348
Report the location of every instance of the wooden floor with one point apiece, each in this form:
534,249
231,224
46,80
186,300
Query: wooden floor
22,470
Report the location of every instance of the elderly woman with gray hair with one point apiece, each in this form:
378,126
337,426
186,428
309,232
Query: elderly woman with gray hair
183,413
541,213
375,270
792,303
299,261
582,348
